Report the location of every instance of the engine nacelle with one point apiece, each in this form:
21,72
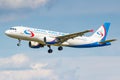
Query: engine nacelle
49,40
33,44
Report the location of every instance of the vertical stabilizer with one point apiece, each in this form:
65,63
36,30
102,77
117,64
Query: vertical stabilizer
101,33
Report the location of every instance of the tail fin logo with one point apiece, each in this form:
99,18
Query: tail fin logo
28,32
100,33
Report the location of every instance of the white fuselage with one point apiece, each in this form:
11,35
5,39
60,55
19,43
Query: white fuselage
31,34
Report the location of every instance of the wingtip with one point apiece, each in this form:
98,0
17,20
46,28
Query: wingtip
91,30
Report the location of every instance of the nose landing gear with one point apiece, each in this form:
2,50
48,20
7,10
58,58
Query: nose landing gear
19,42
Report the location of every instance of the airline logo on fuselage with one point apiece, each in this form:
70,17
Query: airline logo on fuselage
28,32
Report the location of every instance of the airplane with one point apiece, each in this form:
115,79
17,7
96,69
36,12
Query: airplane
38,38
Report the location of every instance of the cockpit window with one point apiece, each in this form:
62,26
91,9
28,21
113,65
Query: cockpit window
12,28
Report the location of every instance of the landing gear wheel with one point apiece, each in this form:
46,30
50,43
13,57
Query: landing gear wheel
19,41
50,51
60,48
18,44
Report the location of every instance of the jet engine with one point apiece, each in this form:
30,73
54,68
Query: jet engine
33,44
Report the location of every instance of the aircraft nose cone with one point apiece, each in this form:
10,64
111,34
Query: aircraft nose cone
7,32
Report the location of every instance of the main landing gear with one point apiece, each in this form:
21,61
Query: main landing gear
50,50
60,48
19,42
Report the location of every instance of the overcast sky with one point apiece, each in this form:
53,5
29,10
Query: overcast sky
24,63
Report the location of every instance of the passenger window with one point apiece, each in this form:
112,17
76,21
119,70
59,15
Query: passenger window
12,28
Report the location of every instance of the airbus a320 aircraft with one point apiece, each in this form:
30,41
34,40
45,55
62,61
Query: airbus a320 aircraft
39,38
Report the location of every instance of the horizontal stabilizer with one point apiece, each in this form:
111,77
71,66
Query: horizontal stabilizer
107,41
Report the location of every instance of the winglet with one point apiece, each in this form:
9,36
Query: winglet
91,30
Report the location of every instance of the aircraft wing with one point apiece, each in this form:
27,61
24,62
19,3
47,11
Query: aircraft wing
64,38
